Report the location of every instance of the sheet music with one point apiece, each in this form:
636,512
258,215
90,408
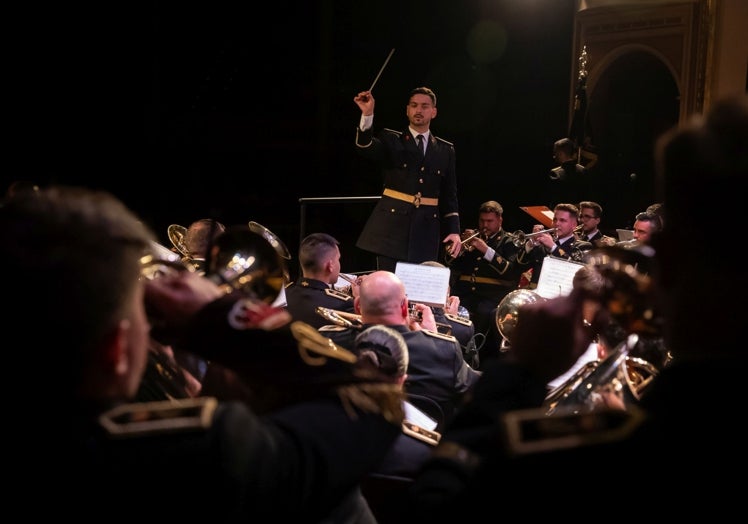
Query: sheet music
424,284
556,277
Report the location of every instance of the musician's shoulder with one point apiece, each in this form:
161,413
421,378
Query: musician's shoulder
458,319
159,417
436,334
447,142
393,132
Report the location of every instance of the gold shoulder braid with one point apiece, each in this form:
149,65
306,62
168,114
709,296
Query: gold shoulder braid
373,397
312,341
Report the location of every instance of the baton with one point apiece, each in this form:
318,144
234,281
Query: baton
382,69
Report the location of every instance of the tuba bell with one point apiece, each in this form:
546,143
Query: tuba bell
507,313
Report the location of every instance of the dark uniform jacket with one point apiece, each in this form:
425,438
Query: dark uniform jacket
600,240
474,276
202,460
436,367
571,249
402,225
304,296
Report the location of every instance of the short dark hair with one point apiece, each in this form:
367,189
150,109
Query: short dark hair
592,205
315,248
423,91
652,218
80,252
571,208
491,206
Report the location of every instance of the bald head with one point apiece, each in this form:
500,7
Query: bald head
382,299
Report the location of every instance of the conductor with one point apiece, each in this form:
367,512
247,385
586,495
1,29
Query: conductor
419,201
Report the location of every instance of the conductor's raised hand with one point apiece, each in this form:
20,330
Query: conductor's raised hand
365,102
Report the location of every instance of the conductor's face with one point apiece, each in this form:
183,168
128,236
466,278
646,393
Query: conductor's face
420,111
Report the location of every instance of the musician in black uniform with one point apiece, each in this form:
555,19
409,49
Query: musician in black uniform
561,243
419,202
76,254
692,406
485,272
437,368
319,258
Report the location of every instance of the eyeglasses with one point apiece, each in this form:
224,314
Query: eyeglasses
587,216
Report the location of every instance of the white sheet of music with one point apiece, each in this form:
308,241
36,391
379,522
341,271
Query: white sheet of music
424,284
556,277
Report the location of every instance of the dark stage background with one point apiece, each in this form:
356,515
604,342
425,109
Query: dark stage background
235,111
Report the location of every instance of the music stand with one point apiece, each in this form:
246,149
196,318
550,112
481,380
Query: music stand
540,213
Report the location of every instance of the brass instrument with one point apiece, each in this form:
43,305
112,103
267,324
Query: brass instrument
520,238
243,260
340,318
469,235
177,236
578,229
276,242
627,294
507,313
618,379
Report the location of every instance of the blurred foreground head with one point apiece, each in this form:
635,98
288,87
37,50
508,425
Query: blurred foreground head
702,166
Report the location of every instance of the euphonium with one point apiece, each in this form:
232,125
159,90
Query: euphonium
612,382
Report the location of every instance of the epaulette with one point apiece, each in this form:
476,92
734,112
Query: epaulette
438,335
338,294
460,320
393,131
331,328
445,141
164,416
533,430
428,436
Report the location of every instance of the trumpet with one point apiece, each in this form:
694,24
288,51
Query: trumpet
521,238
466,245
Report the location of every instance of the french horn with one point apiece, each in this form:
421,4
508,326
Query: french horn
243,260
177,235
273,239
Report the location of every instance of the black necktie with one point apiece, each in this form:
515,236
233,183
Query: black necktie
421,144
